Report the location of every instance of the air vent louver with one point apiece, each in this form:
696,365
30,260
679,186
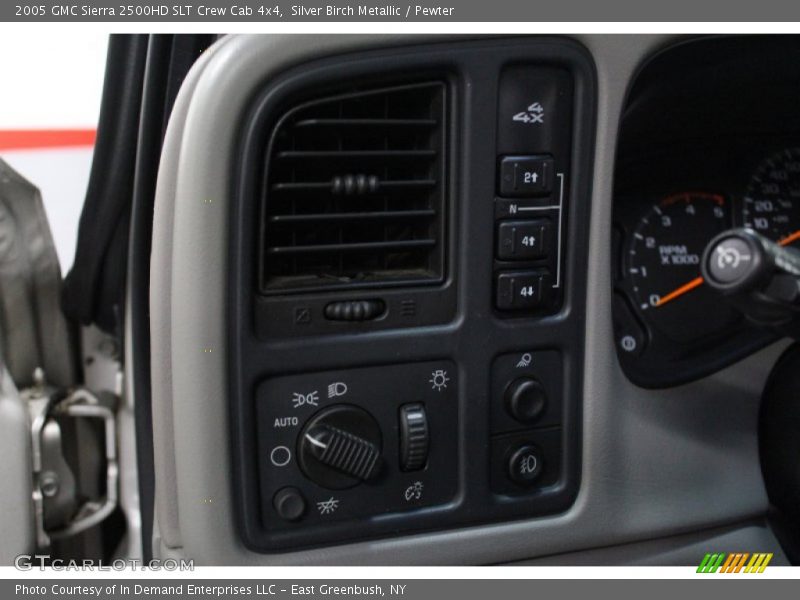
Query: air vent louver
354,193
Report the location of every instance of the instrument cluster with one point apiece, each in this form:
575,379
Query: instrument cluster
704,147
669,324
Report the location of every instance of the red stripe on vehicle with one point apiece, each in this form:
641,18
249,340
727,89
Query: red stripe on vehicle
27,139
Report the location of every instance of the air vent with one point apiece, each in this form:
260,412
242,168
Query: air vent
354,192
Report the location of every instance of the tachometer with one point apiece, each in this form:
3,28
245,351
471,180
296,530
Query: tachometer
772,203
663,264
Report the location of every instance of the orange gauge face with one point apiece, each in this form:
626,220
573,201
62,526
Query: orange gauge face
663,265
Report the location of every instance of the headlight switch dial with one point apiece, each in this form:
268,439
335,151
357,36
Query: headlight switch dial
340,447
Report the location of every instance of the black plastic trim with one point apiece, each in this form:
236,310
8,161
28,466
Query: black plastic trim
472,336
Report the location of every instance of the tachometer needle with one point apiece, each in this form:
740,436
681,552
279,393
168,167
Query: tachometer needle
698,281
686,287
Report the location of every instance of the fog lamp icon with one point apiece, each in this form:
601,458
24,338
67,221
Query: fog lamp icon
338,388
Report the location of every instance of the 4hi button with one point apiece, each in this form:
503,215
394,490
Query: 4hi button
525,465
520,240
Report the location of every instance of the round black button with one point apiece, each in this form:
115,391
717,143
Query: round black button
525,465
289,503
525,399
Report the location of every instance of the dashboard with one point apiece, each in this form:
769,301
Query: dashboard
704,147
414,351
418,291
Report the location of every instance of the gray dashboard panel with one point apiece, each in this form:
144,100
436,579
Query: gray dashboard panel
160,318
654,463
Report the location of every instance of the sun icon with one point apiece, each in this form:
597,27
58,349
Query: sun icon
439,380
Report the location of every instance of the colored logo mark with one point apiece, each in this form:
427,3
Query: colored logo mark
736,562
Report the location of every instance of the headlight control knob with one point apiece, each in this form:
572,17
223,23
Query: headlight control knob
340,447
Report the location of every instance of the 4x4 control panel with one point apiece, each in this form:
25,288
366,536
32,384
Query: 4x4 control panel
533,149
357,443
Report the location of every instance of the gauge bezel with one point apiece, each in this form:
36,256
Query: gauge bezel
701,116
665,362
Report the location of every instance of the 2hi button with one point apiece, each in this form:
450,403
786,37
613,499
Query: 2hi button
525,176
